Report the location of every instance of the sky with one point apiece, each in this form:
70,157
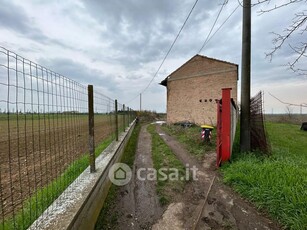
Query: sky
118,45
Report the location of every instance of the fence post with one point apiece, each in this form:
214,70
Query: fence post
116,120
128,116
124,120
131,115
91,127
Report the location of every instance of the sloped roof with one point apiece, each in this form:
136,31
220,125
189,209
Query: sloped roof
164,82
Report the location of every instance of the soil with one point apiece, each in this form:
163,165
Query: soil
35,152
137,205
205,203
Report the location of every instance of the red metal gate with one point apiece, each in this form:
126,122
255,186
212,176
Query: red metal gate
226,124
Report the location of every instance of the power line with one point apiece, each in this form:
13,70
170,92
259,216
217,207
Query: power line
171,47
222,24
286,103
218,15
132,99
205,43
168,52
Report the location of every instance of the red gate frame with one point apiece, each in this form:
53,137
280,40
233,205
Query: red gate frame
223,144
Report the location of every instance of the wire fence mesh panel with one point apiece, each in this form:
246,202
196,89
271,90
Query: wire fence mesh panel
44,133
43,124
121,116
258,135
104,111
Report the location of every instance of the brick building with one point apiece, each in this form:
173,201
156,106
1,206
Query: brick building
193,88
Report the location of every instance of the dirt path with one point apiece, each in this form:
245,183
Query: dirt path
207,203
138,205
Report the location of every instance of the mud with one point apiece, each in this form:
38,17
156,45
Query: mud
207,202
138,206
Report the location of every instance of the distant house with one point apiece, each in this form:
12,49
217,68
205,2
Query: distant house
192,89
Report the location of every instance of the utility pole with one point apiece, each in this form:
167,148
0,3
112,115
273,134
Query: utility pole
245,128
140,102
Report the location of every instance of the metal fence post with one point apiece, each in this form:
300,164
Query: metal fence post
91,127
116,120
124,120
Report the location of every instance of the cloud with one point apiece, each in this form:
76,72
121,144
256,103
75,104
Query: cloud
80,73
119,45
19,21
143,30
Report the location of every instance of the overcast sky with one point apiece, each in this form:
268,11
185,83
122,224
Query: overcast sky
118,45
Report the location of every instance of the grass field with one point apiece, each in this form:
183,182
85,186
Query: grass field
276,184
295,119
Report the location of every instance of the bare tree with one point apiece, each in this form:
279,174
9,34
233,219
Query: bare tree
297,28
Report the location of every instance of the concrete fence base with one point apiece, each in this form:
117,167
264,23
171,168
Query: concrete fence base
79,205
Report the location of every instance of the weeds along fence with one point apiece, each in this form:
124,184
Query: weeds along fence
51,129
259,139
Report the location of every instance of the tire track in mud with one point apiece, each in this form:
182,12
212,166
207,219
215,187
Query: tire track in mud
138,206
199,206
205,207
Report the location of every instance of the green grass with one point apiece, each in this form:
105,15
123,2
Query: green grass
35,205
191,139
276,183
107,218
163,157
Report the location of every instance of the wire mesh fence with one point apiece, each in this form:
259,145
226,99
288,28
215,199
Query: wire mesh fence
44,135
258,135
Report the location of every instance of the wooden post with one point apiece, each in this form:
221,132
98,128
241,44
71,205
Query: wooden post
116,120
91,127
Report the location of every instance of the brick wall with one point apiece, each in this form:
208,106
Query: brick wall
193,89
